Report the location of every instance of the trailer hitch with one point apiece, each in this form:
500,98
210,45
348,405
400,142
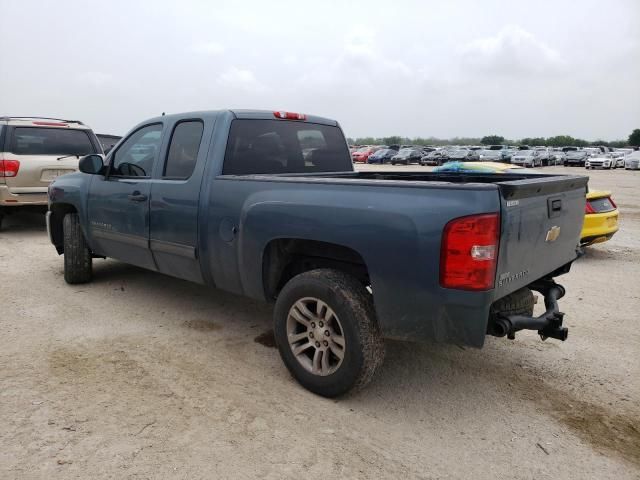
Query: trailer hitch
548,325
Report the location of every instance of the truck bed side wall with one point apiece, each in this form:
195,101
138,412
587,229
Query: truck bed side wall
397,231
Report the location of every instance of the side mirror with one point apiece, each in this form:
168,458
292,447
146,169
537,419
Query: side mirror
91,164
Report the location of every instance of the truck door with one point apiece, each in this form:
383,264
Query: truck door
174,200
118,204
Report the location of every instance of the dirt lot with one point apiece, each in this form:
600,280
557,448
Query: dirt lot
138,375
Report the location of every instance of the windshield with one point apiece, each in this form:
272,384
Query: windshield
50,141
405,151
491,153
526,153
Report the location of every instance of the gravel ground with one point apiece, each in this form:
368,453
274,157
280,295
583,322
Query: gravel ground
139,375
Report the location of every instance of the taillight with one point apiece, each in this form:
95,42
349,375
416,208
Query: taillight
588,208
290,115
469,252
9,168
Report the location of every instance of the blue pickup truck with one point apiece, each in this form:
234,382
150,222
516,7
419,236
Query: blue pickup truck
267,205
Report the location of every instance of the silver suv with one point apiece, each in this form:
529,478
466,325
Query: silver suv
34,151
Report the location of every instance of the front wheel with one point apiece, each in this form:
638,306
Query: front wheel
326,332
77,256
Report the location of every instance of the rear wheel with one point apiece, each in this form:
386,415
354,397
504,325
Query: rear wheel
326,332
77,256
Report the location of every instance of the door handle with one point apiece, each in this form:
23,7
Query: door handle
137,197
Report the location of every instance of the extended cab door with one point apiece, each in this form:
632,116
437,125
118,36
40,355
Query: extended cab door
118,204
175,195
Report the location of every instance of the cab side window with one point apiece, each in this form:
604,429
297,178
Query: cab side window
183,150
135,157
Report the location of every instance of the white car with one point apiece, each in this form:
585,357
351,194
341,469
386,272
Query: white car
632,161
527,158
600,161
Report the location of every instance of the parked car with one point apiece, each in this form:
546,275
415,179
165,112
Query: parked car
406,156
575,158
600,161
494,156
527,158
107,141
632,161
382,156
436,157
33,152
600,219
349,258
558,156
544,155
362,154
463,155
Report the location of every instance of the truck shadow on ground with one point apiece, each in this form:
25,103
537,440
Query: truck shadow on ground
413,376
22,222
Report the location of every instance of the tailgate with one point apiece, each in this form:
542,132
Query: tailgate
36,172
541,224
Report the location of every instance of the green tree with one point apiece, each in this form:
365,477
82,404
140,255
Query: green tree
634,138
392,140
492,140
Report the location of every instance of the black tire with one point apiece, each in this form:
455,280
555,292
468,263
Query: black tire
77,256
353,306
1,219
520,302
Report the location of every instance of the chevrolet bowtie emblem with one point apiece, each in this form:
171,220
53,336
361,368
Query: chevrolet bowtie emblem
553,234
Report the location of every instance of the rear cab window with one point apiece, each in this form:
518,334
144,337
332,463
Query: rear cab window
283,146
50,141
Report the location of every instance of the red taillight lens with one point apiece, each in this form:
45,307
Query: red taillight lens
588,208
469,252
290,115
9,168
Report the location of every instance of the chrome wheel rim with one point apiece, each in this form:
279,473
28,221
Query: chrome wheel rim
315,336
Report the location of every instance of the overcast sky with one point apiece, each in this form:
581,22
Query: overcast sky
440,68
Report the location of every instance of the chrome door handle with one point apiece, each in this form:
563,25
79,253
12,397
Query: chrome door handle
137,197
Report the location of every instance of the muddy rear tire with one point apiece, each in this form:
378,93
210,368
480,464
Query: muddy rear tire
77,256
326,331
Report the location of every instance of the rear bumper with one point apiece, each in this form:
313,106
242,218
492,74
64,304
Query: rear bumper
8,199
599,227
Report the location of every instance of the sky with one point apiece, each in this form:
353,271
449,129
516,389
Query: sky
465,68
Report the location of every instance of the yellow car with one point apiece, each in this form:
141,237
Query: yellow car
600,213
600,218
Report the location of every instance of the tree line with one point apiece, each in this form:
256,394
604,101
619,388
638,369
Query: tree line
557,141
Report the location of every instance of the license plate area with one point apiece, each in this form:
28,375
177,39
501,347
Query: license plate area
50,174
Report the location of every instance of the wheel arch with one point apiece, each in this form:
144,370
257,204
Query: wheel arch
58,212
284,258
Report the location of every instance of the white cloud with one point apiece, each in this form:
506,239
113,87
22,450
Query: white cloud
360,63
241,79
512,51
95,79
208,48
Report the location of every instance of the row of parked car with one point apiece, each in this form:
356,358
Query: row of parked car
526,156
